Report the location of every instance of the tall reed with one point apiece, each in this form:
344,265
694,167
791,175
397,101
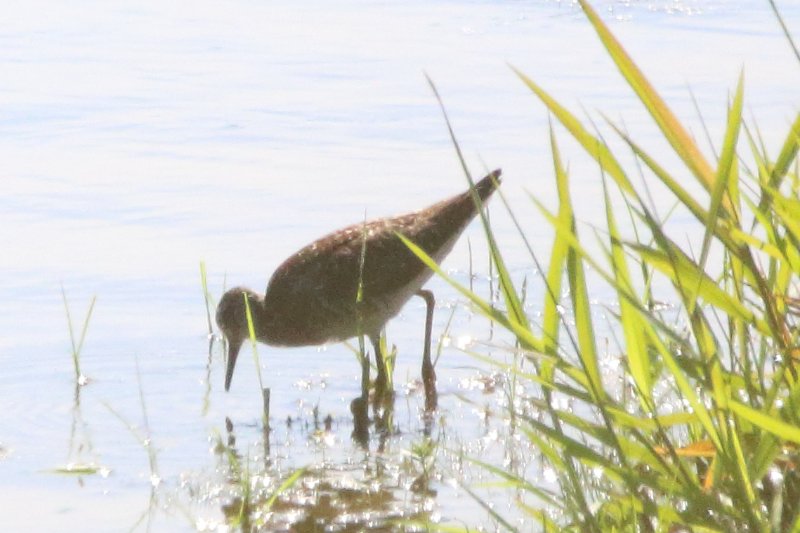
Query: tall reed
705,436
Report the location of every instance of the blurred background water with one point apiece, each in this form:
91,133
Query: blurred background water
140,138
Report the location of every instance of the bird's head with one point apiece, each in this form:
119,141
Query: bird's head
232,321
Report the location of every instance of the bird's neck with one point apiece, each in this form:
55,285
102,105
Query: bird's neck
275,327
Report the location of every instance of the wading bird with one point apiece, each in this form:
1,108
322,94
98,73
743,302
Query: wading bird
351,282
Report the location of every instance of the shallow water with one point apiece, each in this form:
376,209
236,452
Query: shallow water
141,138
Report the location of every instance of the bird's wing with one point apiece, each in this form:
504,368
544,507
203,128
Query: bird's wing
318,287
321,291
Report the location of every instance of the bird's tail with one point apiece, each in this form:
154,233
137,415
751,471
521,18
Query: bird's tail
487,185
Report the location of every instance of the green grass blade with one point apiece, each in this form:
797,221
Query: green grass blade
665,177
488,508
774,252
787,210
593,146
77,347
510,295
632,451
521,330
85,327
673,131
766,421
552,318
684,272
785,29
633,325
206,296
787,155
252,334
286,485
687,389
563,233
724,170
77,470
572,372
581,305
76,361
576,450
518,482
577,282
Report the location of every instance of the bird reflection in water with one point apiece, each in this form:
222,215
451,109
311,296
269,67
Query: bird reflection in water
366,494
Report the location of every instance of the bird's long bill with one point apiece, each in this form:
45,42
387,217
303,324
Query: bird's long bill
233,353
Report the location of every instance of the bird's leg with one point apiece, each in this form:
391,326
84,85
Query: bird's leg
428,373
382,380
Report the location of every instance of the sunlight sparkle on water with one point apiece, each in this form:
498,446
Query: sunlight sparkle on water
775,475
